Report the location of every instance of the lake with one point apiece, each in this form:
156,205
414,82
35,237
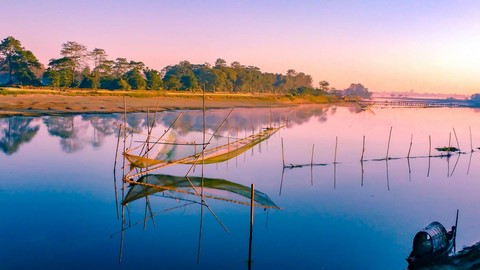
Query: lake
62,208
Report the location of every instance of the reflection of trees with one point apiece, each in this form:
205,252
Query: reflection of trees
103,125
65,128
16,131
244,120
140,121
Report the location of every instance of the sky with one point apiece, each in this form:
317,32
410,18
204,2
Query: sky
421,45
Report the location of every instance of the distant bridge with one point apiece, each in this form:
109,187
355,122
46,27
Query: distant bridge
419,103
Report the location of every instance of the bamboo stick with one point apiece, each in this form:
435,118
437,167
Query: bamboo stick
471,143
313,150
335,156
449,143
429,146
388,146
283,155
363,148
410,148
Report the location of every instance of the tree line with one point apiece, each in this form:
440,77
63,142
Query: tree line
79,67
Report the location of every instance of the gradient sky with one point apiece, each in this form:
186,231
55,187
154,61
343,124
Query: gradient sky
425,46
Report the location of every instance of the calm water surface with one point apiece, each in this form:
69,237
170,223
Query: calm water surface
59,203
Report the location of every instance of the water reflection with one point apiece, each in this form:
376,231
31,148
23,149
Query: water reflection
324,208
185,191
91,129
16,131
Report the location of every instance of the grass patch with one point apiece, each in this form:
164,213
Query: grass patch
447,149
217,96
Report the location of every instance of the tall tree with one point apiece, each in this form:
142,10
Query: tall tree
78,54
99,57
18,62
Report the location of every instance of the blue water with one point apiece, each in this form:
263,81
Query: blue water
59,209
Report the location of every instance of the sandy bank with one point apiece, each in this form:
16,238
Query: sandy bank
57,104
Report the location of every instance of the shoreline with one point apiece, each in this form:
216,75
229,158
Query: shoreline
23,102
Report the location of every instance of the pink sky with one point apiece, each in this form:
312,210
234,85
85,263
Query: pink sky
427,46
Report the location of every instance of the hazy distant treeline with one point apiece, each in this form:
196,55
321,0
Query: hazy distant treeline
79,67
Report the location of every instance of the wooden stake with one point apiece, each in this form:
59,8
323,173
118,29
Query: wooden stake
410,148
313,150
388,146
363,148
335,157
471,144
429,146
449,143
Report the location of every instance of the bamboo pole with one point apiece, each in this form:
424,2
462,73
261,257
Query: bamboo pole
335,156
283,155
449,143
363,149
313,150
471,143
429,146
410,148
388,145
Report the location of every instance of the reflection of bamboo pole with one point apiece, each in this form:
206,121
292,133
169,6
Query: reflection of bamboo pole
363,172
456,138
455,166
281,181
199,249
115,169
428,171
252,201
410,148
469,162
409,171
388,145
388,179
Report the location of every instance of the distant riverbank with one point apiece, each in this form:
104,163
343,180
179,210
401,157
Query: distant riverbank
34,102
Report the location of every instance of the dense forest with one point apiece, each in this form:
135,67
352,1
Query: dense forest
80,68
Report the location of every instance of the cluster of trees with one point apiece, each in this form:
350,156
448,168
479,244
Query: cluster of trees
80,68
18,65
235,78
357,90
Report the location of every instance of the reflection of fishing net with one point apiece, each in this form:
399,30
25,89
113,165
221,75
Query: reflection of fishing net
219,189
